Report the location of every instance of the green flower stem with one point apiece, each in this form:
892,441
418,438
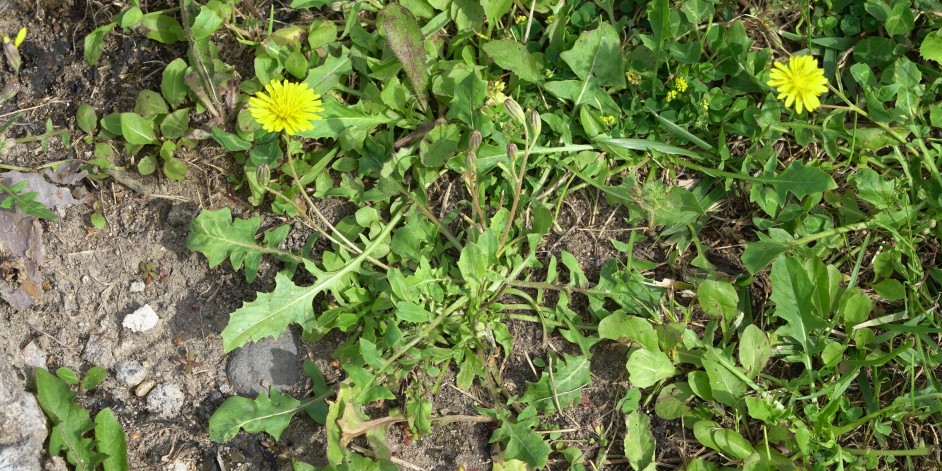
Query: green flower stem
890,408
425,211
40,137
924,451
349,246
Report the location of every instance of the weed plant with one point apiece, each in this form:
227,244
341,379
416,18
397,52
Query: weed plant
791,320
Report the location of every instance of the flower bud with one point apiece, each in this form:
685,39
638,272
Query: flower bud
263,175
13,56
471,159
515,111
512,152
535,123
475,140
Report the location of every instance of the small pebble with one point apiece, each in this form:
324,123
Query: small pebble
225,388
86,279
266,383
141,320
142,389
138,287
165,400
130,373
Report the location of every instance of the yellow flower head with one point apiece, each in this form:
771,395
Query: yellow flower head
609,120
289,107
520,19
800,82
671,95
680,84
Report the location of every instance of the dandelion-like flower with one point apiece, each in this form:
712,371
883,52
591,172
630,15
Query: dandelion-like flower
800,82
289,107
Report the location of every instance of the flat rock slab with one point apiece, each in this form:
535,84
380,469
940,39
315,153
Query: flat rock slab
267,363
22,424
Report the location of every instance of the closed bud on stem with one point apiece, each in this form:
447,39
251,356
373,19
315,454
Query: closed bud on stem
515,111
512,152
475,140
471,159
535,124
263,175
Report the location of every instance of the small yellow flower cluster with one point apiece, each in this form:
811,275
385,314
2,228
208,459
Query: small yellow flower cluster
520,19
705,104
678,86
608,120
550,19
633,77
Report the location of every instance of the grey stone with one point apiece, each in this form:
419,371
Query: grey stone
268,361
130,373
165,400
99,351
56,463
34,356
22,424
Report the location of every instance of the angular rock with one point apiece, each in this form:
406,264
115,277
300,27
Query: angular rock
272,362
22,424
141,320
99,350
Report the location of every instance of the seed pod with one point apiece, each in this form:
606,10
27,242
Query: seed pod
9,91
263,175
515,111
475,140
534,123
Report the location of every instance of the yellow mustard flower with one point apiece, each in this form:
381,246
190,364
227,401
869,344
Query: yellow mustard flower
633,77
520,19
609,120
289,107
680,84
671,95
550,19
800,82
